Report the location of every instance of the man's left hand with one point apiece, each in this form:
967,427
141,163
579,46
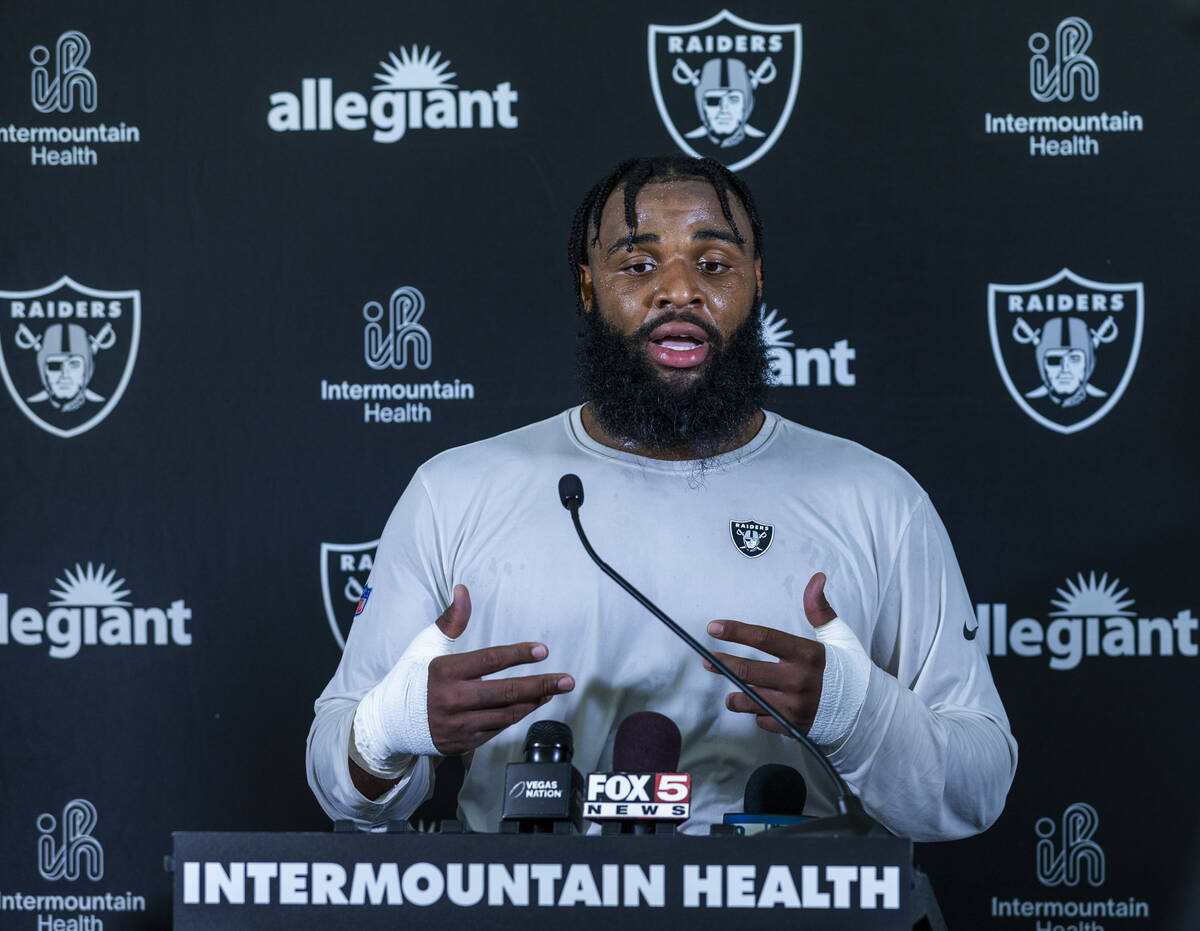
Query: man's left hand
793,684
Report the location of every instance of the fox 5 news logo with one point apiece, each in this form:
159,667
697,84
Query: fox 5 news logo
658,796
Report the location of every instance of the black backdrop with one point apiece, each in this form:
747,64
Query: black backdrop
250,254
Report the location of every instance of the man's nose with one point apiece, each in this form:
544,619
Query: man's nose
678,286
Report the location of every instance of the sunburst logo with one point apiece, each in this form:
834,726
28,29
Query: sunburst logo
90,587
774,328
1091,598
414,70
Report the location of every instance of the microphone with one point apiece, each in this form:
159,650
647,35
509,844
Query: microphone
852,818
775,796
644,794
647,740
544,794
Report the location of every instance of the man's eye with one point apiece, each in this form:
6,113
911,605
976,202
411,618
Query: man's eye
638,268
712,265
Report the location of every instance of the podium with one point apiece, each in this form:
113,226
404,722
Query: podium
441,881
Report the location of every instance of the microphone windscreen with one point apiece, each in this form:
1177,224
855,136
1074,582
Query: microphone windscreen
775,789
549,742
570,489
647,742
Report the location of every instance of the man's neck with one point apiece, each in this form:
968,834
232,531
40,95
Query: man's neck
674,453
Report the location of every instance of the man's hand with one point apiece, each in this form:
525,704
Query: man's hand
792,685
465,710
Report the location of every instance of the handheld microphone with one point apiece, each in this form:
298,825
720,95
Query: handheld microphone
775,796
544,794
644,794
852,817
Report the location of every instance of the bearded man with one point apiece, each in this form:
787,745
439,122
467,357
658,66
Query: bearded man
680,462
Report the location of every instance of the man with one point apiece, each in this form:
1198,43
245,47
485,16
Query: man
677,457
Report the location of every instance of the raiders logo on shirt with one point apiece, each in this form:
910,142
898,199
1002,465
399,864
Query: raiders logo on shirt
750,537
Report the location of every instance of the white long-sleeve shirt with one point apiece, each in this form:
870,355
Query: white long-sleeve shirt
931,754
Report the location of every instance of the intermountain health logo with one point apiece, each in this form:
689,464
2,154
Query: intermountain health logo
67,351
1062,70
344,571
66,847
396,339
61,81
89,608
725,87
1066,852
1090,617
68,851
793,366
1070,863
414,90
1066,346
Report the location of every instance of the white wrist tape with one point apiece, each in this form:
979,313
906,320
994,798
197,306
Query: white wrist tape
844,685
391,725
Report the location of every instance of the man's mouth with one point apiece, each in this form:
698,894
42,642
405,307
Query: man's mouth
678,345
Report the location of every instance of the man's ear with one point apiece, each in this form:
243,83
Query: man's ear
585,288
758,275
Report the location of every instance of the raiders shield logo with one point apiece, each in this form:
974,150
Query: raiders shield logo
750,537
1066,346
344,571
67,351
725,87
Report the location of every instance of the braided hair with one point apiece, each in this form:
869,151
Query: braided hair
636,173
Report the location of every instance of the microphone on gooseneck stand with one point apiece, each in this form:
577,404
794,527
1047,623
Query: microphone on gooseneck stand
544,794
852,818
644,794
775,796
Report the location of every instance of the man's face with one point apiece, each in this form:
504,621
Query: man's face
1065,369
64,374
724,110
672,355
686,284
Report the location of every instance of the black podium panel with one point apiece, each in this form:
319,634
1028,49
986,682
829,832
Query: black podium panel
297,881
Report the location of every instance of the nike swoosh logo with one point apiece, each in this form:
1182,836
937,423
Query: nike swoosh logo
970,632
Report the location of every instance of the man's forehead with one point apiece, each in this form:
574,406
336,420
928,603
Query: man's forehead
685,196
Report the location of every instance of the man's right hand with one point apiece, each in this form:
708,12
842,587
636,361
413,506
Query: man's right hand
465,710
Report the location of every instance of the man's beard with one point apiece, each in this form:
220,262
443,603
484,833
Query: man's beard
702,416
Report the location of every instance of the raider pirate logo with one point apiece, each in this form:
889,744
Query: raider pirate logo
67,351
1066,346
344,571
725,87
750,537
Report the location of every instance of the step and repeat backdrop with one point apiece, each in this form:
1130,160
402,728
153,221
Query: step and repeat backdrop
259,262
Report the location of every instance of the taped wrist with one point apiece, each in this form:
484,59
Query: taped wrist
844,684
391,724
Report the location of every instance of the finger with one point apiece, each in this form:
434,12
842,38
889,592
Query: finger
767,639
453,620
496,693
477,663
768,723
743,704
816,608
489,722
753,671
